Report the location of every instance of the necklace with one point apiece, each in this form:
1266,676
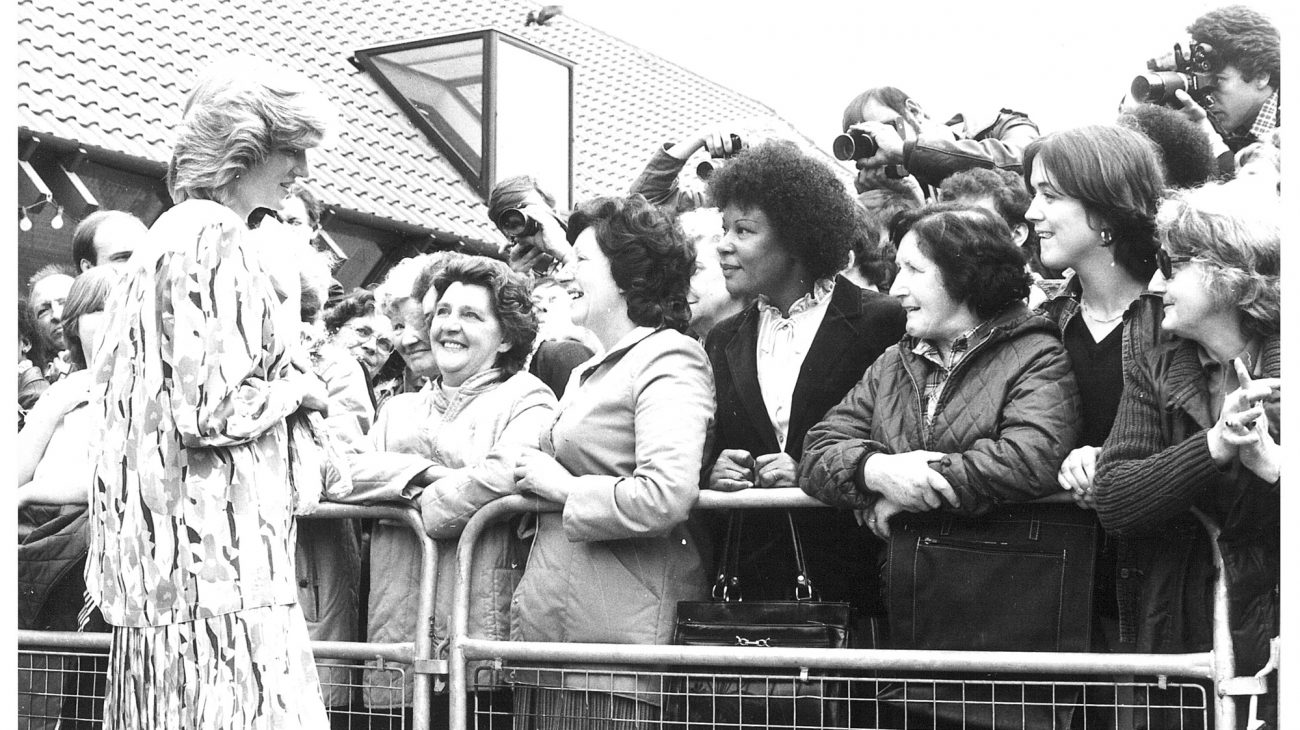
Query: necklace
1087,312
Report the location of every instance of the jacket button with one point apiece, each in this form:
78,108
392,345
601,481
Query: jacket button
303,583
1123,572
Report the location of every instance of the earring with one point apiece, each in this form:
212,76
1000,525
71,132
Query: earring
1105,237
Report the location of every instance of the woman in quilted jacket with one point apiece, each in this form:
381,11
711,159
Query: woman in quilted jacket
949,431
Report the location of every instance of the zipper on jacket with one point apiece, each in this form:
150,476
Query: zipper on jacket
987,546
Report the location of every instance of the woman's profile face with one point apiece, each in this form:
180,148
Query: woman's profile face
593,290
932,313
1189,305
1065,235
267,183
753,260
465,333
90,327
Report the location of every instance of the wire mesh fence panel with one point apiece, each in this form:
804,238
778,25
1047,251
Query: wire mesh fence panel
62,690
559,698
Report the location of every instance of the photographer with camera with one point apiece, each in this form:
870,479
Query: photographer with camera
658,182
1228,83
885,129
525,214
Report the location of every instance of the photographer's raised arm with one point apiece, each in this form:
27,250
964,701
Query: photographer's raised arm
658,181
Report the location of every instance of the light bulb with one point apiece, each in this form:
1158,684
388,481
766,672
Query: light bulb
57,221
24,223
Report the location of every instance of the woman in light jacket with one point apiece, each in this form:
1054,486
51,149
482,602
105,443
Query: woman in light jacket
624,458
451,448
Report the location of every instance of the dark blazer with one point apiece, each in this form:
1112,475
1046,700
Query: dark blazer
858,327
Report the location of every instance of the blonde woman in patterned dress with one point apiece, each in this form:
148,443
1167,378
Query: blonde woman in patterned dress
192,537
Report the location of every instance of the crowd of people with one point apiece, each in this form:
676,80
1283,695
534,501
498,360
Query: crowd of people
1005,331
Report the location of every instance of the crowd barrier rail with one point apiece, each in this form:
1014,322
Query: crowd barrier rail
1058,678
62,672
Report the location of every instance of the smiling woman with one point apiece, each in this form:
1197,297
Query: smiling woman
194,572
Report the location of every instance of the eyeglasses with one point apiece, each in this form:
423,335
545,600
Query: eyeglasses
363,333
1167,262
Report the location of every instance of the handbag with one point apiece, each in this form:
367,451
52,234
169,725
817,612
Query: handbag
1018,578
799,700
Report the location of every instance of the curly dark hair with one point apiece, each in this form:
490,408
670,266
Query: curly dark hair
1244,38
1010,196
649,258
1184,148
979,264
873,254
1117,174
512,303
358,303
809,208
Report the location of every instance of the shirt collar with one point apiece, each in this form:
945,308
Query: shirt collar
822,290
1266,120
962,344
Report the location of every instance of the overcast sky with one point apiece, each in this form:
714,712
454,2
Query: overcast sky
1063,63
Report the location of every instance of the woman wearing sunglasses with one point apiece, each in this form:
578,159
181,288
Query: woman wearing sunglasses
1198,429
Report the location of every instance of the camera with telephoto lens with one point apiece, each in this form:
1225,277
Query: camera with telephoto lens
854,144
1173,72
514,222
721,149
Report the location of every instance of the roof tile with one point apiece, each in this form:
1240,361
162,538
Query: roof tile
114,75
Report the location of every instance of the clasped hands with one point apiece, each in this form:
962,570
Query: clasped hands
905,483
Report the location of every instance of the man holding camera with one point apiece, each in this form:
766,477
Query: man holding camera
525,214
1244,82
905,136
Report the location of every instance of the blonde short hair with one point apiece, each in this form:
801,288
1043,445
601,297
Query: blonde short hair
1236,231
240,112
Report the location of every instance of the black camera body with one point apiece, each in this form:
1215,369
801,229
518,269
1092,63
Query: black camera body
1173,72
718,156
854,144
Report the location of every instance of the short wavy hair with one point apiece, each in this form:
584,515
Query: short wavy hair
511,298
890,96
89,294
1117,174
1184,148
979,263
1244,38
1236,232
809,208
649,257
400,279
240,112
358,303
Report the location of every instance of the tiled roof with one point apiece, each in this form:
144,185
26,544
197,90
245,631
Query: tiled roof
113,74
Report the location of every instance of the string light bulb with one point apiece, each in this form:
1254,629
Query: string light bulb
57,221
24,223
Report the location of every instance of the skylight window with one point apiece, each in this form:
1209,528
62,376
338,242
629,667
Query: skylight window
495,105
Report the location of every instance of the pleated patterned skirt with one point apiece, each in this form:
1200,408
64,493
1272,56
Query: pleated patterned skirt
248,670
544,708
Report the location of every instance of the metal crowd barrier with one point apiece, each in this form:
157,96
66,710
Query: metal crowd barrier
961,684
61,673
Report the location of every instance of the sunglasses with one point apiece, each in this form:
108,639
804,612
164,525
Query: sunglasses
1167,262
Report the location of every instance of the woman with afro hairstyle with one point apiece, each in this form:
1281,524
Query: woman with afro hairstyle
788,226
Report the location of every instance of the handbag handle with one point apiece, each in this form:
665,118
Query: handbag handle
728,576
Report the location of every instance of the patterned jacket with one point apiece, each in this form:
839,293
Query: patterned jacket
191,509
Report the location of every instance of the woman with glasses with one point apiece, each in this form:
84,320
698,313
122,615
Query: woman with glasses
356,324
1198,429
